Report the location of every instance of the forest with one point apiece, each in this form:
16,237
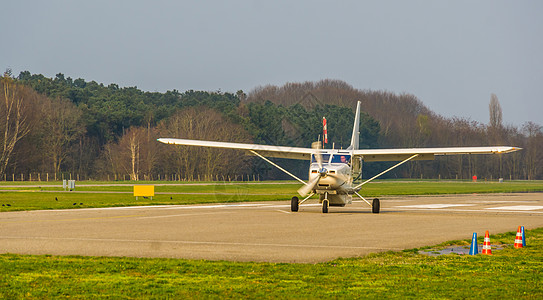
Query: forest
61,128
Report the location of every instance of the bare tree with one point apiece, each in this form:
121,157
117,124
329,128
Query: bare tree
62,126
206,124
131,154
495,111
13,119
533,154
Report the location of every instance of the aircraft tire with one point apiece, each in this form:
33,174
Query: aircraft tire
294,204
376,206
325,206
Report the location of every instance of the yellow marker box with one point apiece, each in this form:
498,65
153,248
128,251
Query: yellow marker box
144,191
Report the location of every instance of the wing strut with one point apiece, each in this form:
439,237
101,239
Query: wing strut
277,166
310,195
362,198
387,170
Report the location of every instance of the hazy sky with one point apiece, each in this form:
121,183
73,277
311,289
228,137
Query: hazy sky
450,54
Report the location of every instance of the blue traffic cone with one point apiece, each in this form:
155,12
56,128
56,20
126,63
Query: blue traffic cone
523,237
474,249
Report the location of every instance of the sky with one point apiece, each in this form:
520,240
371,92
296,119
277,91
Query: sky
452,55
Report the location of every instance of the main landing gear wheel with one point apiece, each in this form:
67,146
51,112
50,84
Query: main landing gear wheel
325,206
376,206
294,204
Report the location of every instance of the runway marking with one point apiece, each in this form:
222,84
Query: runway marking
101,208
507,201
215,206
185,215
517,207
153,207
434,206
485,210
256,205
73,219
386,200
199,243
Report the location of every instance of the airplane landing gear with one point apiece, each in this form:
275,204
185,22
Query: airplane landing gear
294,204
325,203
376,206
325,206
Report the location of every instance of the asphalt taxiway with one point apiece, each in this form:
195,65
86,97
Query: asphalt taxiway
266,231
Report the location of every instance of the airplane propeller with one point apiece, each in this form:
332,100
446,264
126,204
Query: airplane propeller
318,155
304,190
310,185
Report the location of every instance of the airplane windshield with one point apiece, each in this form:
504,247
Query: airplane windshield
325,158
341,158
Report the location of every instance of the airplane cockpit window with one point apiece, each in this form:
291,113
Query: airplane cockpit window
341,158
325,158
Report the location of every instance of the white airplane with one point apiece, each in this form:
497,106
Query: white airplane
333,171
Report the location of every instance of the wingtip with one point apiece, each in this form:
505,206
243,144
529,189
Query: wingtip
511,149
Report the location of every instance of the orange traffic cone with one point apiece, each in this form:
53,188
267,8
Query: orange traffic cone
486,245
518,238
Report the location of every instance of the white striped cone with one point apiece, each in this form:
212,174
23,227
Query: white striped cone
518,238
486,245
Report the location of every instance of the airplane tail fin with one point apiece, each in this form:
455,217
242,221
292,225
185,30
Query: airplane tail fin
356,131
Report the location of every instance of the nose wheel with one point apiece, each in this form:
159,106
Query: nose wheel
325,204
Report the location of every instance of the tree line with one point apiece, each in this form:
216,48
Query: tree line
406,122
60,125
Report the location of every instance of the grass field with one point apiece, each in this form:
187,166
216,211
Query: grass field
506,274
50,195
405,274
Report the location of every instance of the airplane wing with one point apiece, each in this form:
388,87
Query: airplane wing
366,154
427,153
264,150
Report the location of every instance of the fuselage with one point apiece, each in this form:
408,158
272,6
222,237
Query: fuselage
336,176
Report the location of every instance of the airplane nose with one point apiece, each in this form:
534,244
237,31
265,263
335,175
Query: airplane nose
323,172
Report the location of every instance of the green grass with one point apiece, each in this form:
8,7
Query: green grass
51,195
506,274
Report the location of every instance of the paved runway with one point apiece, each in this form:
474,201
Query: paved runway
266,231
